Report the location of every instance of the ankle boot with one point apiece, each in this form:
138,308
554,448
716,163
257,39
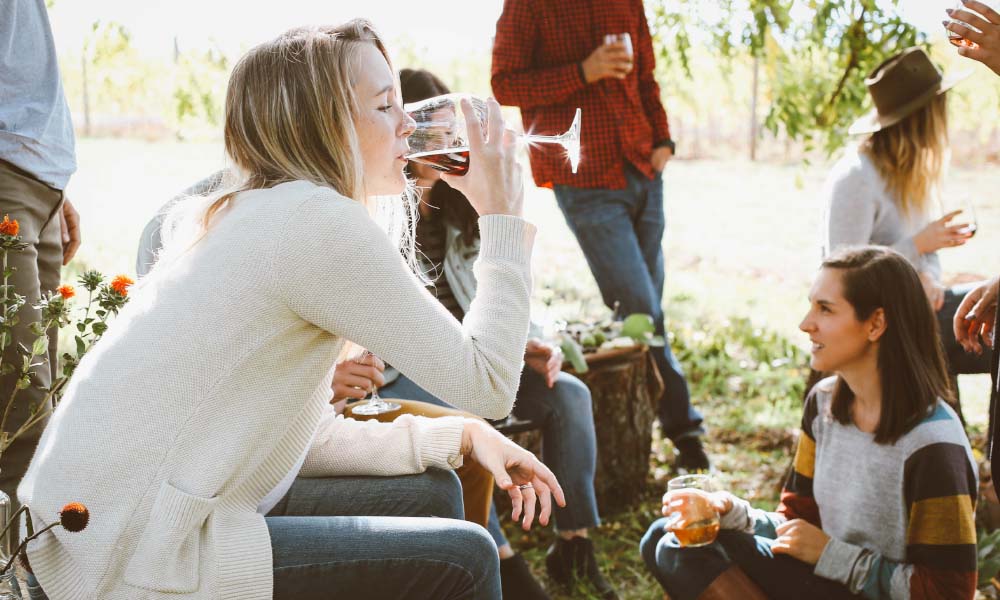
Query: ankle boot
732,584
517,582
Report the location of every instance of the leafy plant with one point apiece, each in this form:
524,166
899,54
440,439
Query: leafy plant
813,66
56,312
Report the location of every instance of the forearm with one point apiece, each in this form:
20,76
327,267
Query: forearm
405,446
533,87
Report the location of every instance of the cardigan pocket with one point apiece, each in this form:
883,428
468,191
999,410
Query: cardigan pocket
167,556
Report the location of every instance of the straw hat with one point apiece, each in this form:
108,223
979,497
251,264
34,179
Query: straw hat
901,85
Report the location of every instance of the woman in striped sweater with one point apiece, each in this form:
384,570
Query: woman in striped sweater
880,502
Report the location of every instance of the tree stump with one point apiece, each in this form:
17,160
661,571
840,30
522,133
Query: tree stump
625,385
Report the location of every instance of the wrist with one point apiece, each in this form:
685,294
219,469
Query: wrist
471,429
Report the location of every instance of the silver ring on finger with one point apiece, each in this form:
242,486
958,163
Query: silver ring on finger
526,486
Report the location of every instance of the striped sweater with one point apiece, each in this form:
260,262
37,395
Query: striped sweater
899,516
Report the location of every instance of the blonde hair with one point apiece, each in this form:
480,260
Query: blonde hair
290,110
911,155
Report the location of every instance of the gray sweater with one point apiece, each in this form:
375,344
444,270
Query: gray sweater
858,210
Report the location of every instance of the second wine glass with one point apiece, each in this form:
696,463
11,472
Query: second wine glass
441,140
375,405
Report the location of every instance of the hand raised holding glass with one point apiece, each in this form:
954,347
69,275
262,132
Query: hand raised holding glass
975,29
494,183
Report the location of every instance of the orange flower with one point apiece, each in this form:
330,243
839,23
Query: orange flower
66,291
74,517
8,227
121,284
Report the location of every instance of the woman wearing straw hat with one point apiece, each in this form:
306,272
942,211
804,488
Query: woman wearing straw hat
883,190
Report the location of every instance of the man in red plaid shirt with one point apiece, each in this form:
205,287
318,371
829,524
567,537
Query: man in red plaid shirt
549,58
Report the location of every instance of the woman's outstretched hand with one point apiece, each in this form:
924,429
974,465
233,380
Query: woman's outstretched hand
517,471
494,183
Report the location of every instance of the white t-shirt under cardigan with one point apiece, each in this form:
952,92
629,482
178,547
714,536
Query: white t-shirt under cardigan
208,386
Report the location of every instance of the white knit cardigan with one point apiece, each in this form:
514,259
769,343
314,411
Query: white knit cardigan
209,385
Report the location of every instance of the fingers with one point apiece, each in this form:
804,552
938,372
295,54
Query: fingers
474,128
70,225
529,507
968,33
544,500
494,122
959,324
986,11
949,216
343,392
549,480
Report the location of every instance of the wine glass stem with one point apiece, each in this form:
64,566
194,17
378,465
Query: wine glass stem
542,139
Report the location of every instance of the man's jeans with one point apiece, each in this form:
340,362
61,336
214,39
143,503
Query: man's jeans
621,235
686,572
569,444
393,547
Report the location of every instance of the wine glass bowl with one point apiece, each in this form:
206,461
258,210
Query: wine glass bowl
693,519
955,38
440,136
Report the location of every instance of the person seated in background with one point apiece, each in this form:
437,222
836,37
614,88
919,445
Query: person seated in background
880,502
448,240
199,432
883,191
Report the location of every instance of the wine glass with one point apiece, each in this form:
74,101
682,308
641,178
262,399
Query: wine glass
693,519
955,38
375,405
620,38
440,139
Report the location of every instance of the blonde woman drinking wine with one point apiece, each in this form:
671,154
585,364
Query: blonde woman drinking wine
199,430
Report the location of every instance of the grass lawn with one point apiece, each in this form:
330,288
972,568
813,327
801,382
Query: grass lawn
742,242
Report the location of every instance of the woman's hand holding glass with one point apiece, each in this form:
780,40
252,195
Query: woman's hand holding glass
353,379
985,43
494,183
517,471
940,233
976,315
544,359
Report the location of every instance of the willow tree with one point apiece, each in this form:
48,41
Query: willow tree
813,54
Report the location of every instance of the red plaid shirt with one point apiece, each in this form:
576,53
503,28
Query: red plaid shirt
537,53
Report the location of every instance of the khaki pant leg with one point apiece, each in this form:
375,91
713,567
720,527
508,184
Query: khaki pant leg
477,482
36,208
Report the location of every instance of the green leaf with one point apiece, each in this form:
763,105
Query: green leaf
81,327
99,328
573,353
81,346
41,345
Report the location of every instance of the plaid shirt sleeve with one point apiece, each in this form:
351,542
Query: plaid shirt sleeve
515,79
649,90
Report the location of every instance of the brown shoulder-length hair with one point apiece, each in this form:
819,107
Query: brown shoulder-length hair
911,363
416,85
910,155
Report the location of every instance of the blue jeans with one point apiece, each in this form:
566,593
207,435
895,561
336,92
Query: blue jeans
372,537
569,444
621,235
686,572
